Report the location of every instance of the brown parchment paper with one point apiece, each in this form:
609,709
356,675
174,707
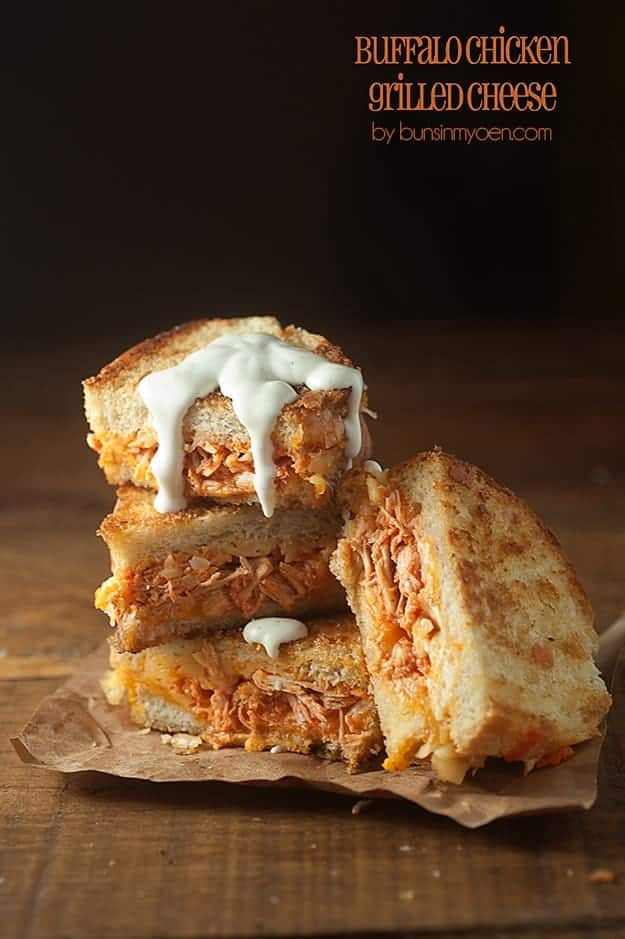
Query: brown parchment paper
75,729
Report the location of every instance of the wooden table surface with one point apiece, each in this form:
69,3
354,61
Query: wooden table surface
542,409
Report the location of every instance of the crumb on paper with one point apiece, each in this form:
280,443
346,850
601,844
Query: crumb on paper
312,846
406,894
3,653
256,818
436,873
361,806
273,899
569,871
112,862
182,744
602,875
406,848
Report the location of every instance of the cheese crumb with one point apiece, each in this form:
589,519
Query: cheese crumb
113,688
182,744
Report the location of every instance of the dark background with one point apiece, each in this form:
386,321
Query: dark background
168,162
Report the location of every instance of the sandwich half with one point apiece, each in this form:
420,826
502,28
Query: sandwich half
313,698
477,635
308,439
208,567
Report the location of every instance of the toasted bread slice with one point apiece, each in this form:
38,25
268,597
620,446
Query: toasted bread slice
180,574
314,697
477,634
308,438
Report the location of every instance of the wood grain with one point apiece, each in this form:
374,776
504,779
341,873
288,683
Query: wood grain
541,409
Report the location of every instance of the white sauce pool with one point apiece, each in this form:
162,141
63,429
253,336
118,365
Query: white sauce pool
257,372
272,631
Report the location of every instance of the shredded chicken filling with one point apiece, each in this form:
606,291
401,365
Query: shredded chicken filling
393,577
265,708
214,470
392,569
184,585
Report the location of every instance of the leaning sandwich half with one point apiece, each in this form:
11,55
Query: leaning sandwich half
477,634
181,574
312,698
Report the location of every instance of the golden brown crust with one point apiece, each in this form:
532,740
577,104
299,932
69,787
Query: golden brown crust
178,342
136,507
485,548
175,343
135,531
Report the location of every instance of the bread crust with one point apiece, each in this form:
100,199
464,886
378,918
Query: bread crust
172,345
135,531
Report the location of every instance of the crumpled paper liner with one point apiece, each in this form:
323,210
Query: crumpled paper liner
75,729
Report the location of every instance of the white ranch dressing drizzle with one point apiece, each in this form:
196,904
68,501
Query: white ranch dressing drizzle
272,631
373,467
257,371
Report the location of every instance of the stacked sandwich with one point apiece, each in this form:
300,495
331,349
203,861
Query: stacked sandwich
245,516
199,566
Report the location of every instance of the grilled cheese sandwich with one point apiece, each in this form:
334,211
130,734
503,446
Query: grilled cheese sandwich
308,439
313,698
476,632
208,567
